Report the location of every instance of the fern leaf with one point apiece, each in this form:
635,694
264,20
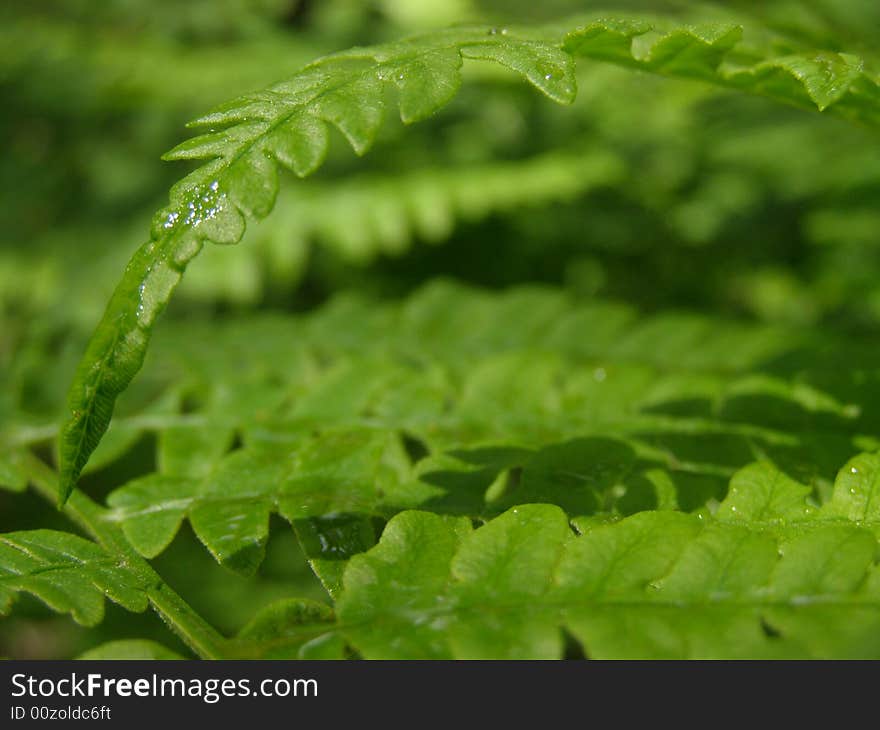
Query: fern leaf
654,585
292,629
129,650
69,574
284,124
713,53
287,123
360,411
328,543
350,472
857,490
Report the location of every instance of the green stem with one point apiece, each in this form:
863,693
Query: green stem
204,640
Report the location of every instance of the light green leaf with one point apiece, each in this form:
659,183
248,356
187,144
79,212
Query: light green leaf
129,650
653,585
834,81
284,123
341,472
211,203
291,629
856,494
399,580
69,574
428,84
762,492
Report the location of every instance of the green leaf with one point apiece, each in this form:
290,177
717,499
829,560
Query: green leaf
760,492
468,403
398,580
655,585
300,144
546,67
336,473
856,494
427,85
128,650
292,629
837,82
329,542
345,90
286,123
69,574
510,560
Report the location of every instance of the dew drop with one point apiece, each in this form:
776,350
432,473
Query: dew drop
170,220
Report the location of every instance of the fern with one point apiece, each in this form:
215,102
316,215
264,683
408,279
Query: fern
654,585
821,81
367,411
288,122
467,473
755,579
70,574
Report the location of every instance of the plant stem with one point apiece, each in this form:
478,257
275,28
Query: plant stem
204,640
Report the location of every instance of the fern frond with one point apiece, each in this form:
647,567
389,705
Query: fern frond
467,403
291,628
754,581
287,124
69,574
821,80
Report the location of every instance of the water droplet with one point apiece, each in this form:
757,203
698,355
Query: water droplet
599,375
854,470
170,220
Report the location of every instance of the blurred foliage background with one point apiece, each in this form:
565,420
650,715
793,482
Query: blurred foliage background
662,194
